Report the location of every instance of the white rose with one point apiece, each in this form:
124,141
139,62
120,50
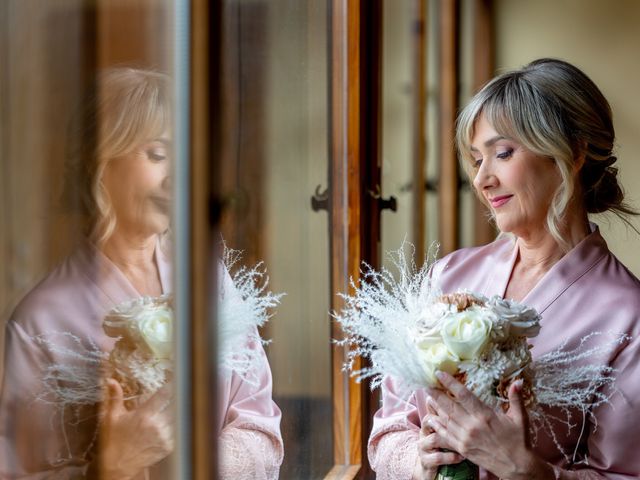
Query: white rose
466,333
427,317
523,320
156,330
435,356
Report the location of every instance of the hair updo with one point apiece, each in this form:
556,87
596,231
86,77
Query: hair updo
600,186
553,109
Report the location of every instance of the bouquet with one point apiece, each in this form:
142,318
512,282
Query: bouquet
142,357
244,304
408,330
482,342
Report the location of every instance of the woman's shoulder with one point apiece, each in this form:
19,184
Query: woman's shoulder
605,271
620,273
474,260
472,268
58,297
498,247
612,279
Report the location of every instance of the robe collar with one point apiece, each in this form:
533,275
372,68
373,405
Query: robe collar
101,271
564,273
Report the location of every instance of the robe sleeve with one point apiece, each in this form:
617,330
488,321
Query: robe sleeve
38,440
393,443
250,442
27,450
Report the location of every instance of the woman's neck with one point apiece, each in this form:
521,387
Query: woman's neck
537,253
134,256
539,250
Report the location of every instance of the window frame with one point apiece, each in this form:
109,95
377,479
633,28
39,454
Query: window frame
355,62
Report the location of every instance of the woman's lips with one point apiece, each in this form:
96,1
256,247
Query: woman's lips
500,200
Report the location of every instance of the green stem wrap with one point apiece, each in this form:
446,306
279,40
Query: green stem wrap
464,470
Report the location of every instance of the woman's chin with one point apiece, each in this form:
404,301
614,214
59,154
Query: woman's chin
151,229
511,225
504,226
160,229
159,223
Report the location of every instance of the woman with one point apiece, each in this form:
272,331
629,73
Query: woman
538,145
120,165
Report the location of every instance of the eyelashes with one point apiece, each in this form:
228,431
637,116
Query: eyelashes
156,155
477,162
506,154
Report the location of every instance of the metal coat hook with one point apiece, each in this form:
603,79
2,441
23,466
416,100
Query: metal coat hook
384,203
320,199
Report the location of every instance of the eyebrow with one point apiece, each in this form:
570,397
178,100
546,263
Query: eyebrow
167,143
489,142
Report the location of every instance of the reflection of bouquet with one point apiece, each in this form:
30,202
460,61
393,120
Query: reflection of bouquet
408,330
243,306
142,358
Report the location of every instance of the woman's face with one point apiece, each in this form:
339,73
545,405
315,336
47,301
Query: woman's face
517,184
139,188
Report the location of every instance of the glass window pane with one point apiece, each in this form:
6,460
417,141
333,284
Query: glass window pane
399,103
274,155
86,157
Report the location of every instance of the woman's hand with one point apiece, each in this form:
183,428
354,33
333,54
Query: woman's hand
430,456
131,440
496,441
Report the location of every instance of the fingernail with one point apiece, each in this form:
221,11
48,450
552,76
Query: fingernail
440,375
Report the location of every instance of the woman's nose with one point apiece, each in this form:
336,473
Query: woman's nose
485,177
167,182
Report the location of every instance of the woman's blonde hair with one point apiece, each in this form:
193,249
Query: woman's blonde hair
554,110
124,108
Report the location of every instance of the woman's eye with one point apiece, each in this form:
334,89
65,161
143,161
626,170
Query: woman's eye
505,154
477,162
156,155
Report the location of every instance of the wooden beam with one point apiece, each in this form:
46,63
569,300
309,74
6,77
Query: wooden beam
448,184
133,32
419,124
355,143
343,472
345,208
204,139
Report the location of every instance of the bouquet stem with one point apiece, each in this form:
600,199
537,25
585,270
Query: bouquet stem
464,470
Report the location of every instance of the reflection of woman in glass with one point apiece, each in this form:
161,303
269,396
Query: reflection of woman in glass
538,143
119,166
118,171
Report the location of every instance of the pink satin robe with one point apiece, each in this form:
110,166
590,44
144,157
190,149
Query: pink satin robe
588,290
74,298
